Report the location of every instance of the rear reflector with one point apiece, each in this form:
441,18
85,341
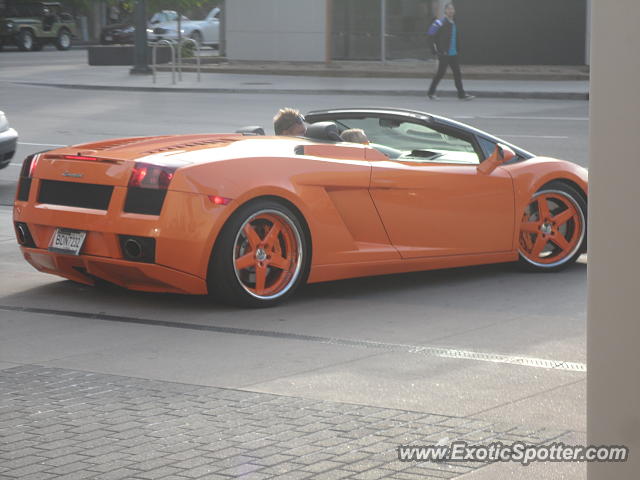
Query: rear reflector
217,200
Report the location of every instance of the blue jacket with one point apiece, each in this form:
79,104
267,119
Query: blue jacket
440,34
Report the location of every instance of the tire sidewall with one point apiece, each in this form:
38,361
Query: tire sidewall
582,205
222,281
22,36
61,33
197,37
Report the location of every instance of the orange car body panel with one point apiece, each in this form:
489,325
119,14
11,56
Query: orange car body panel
366,215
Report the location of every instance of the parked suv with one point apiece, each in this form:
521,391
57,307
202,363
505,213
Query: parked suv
30,26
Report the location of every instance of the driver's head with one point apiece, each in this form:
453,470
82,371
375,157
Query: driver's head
289,121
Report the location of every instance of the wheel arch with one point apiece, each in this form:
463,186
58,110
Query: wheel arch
28,28
566,181
272,197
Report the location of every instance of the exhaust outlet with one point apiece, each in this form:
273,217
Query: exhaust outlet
133,249
138,249
21,234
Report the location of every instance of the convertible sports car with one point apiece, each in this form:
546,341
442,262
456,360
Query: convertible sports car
248,218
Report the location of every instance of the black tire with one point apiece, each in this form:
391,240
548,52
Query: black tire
197,37
25,40
63,40
566,241
228,283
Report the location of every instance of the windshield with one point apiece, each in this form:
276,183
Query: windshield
413,141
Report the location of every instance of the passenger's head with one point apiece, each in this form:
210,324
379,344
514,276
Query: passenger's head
289,121
355,135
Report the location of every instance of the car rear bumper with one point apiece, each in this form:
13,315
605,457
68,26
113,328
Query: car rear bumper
132,275
182,237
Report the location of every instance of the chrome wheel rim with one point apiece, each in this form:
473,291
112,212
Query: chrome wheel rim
65,40
552,229
267,254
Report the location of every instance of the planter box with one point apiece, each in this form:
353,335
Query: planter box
123,55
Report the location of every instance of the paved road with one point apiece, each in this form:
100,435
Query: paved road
435,355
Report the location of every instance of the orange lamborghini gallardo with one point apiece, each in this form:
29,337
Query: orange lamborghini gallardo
248,218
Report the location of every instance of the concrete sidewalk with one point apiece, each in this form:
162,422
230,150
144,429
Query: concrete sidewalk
364,78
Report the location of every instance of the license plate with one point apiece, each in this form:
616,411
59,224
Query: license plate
108,38
67,241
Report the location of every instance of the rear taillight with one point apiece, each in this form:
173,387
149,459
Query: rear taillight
26,174
145,175
148,187
29,166
79,157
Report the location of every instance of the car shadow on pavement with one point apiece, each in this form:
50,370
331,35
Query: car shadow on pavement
467,284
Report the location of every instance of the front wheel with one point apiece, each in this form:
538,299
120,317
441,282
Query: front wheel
261,257
197,37
63,41
553,228
25,40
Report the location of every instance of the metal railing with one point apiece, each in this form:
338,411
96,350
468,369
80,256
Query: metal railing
175,65
173,59
186,41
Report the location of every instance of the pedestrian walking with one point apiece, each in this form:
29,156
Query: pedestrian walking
445,38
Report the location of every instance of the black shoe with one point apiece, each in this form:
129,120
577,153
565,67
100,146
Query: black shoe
432,96
466,96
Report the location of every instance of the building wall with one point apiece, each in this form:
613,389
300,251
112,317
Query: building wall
613,329
276,30
522,32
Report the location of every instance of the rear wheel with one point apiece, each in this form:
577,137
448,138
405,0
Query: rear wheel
25,40
63,40
553,228
261,256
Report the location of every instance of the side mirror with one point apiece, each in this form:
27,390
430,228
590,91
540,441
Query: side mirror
500,155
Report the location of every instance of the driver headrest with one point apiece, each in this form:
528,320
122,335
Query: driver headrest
324,131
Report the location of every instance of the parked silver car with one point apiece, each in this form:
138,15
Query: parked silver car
8,141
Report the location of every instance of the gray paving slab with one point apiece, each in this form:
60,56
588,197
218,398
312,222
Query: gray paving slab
439,386
38,392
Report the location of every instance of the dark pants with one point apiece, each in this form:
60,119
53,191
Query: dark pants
445,61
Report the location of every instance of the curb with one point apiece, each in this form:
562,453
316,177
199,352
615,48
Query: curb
426,75
277,91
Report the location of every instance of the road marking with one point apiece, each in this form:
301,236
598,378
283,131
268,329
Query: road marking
343,342
505,117
532,136
42,144
508,117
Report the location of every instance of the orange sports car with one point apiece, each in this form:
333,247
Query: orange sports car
248,218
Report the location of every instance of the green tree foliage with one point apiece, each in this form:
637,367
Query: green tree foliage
195,8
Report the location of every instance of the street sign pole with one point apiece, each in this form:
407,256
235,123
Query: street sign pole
141,53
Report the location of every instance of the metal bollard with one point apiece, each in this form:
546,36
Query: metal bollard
173,60
185,41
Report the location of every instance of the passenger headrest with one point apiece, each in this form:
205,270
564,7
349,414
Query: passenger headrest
324,131
251,130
